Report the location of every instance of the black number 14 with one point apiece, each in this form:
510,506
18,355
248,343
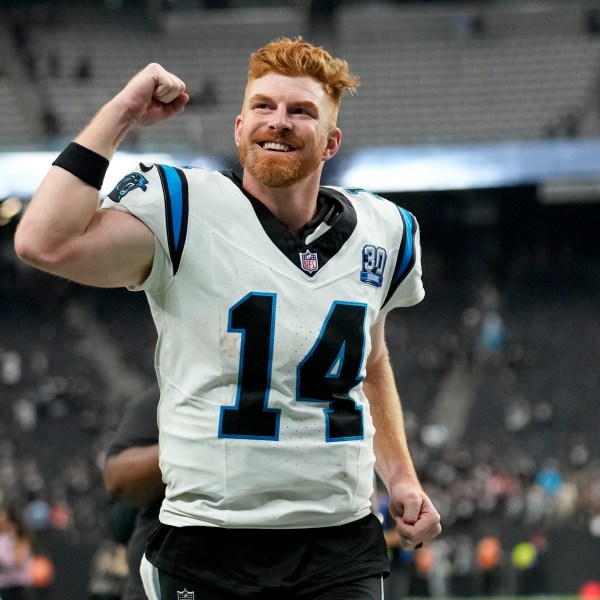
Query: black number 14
327,374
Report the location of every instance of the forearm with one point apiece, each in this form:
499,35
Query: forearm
134,477
62,230
414,514
109,127
393,460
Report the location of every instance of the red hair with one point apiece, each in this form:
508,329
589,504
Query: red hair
299,58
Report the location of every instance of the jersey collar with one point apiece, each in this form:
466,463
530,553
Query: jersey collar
317,242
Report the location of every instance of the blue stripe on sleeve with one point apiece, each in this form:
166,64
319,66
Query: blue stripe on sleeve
409,246
406,261
176,204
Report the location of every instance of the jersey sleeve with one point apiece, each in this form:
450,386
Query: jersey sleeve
158,196
392,235
406,284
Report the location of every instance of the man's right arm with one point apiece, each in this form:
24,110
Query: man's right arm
133,476
63,232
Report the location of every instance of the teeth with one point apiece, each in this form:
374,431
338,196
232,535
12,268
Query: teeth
275,146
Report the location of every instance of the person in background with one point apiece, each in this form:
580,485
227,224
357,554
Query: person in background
108,571
396,585
269,293
16,557
132,477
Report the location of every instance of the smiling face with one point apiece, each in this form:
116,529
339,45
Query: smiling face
286,130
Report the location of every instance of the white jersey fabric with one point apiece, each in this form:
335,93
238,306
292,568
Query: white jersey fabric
263,338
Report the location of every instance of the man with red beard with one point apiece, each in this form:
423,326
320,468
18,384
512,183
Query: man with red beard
269,294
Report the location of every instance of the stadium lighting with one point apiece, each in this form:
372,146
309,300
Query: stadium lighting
473,166
22,172
9,208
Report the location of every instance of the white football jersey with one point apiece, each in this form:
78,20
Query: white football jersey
263,338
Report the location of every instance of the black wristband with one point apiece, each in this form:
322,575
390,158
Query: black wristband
85,164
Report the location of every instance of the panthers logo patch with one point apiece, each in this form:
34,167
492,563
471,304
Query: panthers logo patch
128,183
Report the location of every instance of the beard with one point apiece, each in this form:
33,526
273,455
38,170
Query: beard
278,169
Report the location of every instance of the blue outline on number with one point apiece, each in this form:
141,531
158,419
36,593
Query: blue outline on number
338,362
327,411
240,370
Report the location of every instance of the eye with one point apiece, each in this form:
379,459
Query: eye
302,110
260,106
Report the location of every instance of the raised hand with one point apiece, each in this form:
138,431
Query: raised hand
152,95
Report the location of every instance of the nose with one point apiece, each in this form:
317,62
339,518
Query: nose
280,119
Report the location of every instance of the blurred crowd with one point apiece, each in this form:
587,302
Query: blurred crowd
521,461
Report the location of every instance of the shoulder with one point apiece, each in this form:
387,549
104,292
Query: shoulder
372,204
353,193
361,198
169,178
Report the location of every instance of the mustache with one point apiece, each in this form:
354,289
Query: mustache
277,138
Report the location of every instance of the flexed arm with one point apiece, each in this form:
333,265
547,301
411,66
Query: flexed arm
62,231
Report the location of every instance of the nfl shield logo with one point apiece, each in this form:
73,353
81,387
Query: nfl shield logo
309,261
185,595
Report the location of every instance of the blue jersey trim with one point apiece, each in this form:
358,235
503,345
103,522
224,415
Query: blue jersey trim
406,253
175,189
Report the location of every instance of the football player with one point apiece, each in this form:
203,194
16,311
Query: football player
269,293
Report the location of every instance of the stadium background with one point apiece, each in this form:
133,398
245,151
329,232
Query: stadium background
482,117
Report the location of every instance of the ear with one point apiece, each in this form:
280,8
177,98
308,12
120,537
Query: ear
238,129
334,139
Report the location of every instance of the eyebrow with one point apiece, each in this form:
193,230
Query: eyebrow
300,103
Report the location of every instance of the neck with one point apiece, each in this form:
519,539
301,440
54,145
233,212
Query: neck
293,205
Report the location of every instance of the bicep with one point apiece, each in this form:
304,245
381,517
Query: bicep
116,250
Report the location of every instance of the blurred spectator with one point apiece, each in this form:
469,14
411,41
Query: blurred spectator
109,571
442,568
25,414
396,585
51,125
589,590
592,21
549,478
206,96
37,513
467,23
133,478
10,368
16,556
21,39
423,567
462,578
489,562
478,25
542,567
20,29
530,561
322,21
83,69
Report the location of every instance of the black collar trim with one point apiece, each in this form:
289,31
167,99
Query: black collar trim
333,209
